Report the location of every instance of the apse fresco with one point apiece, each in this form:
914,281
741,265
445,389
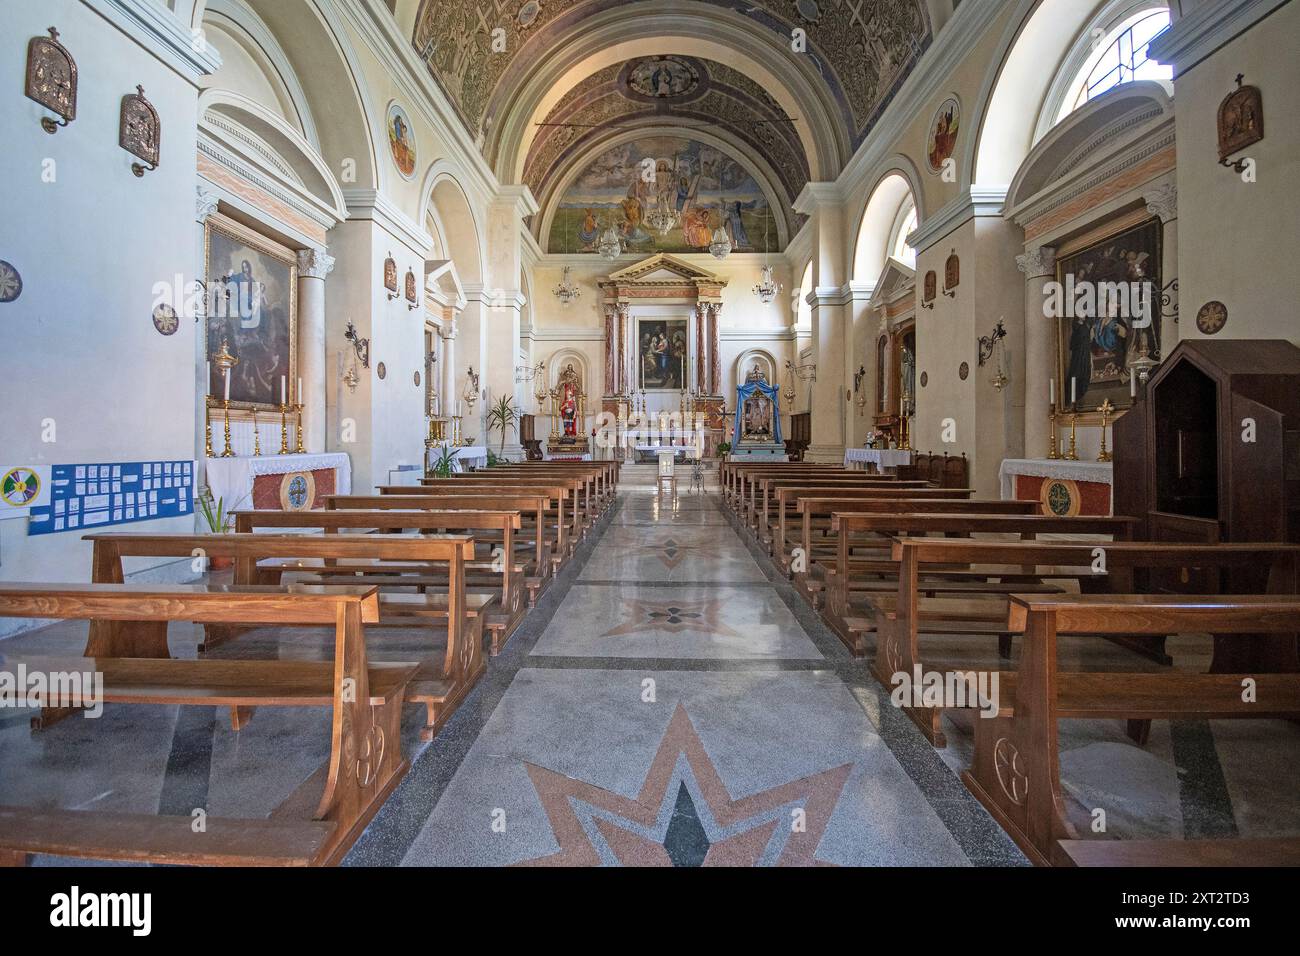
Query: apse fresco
698,186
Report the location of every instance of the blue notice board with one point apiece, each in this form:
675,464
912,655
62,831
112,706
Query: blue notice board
94,496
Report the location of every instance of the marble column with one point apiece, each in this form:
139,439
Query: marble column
624,386
715,349
1162,201
447,390
824,204
611,348
701,320
1039,267
313,266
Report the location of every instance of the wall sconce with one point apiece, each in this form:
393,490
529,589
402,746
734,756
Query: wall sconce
362,346
988,342
523,374
858,376
470,395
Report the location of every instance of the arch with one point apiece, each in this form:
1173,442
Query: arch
458,227
803,295
568,355
746,359
879,223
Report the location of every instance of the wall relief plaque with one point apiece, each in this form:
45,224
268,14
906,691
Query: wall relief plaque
140,130
1241,120
52,79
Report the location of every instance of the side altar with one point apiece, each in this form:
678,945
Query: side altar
758,419
567,441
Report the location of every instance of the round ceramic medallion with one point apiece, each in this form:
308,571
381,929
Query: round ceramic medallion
297,491
1059,498
381,370
925,379
963,370
1212,317
165,320
11,283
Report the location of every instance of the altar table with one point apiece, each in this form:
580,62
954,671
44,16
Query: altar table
278,482
1064,488
467,456
885,459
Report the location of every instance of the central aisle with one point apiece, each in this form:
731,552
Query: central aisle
671,701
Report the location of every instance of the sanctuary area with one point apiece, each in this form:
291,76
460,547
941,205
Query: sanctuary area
650,432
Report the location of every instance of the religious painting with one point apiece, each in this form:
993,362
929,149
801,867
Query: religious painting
661,353
252,308
662,77
401,140
943,134
1106,302
663,194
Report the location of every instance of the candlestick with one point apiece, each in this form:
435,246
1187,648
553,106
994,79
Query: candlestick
284,429
207,429
298,428
1052,454
1106,409
1072,454
257,438
227,452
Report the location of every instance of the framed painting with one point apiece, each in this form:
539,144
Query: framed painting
1109,313
661,354
253,307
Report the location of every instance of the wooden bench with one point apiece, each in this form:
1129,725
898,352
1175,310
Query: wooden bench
365,761
1014,773
907,613
760,508
439,685
565,492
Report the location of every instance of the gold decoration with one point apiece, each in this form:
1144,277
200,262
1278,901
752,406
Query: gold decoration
1106,409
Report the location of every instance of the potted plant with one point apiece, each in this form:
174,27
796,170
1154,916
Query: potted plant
724,449
501,416
219,521
441,467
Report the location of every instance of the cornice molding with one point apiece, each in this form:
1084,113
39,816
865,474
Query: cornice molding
280,189
1195,36
581,334
366,203
977,202
162,33
813,196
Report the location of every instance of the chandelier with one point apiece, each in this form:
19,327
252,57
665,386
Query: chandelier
720,247
566,291
767,286
663,220
610,246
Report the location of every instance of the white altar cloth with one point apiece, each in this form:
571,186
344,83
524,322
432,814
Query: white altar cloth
882,457
231,479
1101,472
467,456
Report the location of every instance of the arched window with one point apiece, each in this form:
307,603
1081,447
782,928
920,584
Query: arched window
1111,51
907,223
803,311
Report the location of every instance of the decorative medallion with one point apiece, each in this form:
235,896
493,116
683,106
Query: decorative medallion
401,141
11,283
808,9
1241,120
963,370
925,379
528,13
417,378
411,295
165,319
1212,317
662,77
943,134
297,491
390,273
673,617
140,131
20,486
931,288
1060,498
382,371
52,79
1010,771
951,273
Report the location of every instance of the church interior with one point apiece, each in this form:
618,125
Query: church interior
650,433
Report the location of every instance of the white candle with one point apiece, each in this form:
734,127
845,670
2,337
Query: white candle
1132,386
227,384
284,398
300,390
1074,383
1051,391
207,380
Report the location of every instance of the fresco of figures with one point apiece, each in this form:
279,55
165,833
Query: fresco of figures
698,186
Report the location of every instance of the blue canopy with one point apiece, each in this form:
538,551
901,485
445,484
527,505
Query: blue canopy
772,392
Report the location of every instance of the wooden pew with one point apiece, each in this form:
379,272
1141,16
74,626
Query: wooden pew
548,543
500,604
759,508
365,761
740,477
801,495
438,685
560,488
904,615
606,473
1015,773
587,499
852,623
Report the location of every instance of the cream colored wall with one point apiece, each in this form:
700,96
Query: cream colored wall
1237,240
242,73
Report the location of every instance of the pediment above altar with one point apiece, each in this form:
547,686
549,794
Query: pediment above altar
664,269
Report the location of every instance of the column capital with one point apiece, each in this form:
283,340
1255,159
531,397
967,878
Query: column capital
1162,201
314,264
813,196
205,203
1037,263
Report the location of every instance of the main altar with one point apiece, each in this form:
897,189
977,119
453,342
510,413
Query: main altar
758,419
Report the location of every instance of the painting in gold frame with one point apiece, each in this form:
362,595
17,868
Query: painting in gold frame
252,286
1098,350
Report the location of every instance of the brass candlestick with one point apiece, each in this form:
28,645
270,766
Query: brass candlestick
257,438
1072,454
298,428
1052,453
284,429
207,428
227,452
1106,409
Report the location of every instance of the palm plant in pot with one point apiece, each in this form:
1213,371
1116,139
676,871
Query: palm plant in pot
501,417
441,467
219,521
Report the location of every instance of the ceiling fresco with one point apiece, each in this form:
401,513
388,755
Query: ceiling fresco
861,49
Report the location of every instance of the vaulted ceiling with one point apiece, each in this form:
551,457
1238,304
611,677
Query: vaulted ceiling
789,87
